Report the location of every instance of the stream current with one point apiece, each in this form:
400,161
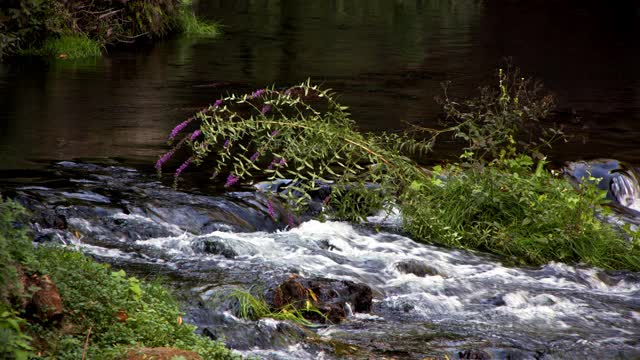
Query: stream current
465,306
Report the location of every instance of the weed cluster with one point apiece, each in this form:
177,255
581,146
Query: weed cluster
495,200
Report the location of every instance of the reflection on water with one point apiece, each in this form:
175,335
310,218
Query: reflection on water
386,58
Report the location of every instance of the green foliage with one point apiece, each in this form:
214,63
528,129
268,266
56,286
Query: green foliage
527,215
13,343
254,308
77,28
507,115
66,47
188,24
494,201
25,23
15,246
121,311
271,135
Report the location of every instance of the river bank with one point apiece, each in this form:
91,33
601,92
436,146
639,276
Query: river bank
76,29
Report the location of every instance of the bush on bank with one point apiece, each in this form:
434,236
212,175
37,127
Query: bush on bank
116,312
77,28
496,200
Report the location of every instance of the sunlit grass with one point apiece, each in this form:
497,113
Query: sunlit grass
67,47
189,25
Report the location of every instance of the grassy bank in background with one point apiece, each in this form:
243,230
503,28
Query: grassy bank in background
73,29
105,312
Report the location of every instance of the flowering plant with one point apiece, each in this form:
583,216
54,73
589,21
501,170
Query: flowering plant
301,134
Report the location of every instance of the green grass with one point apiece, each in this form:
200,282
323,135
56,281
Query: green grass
254,308
121,312
67,47
188,24
526,215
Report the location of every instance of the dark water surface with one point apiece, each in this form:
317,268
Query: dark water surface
387,59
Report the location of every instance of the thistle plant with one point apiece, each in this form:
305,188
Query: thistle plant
304,135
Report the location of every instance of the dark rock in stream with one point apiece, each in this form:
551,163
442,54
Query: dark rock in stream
334,298
416,268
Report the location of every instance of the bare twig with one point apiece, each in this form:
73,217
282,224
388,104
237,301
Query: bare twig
86,344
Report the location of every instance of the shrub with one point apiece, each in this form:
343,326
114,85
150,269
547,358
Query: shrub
301,134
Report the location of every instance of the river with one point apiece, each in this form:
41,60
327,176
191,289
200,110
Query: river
78,141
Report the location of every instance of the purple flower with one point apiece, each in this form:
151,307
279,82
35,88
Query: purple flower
270,209
231,179
226,144
254,156
179,128
273,162
163,159
265,109
275,133
195,135
257,93
182,167
282,162
217,103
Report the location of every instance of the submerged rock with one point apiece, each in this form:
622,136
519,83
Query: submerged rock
335,299
416,268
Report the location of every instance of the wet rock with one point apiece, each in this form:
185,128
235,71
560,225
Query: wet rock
474,355
416,268
217,247
334,298
160,353
46,303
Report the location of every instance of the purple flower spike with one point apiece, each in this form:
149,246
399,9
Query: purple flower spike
164,159
195,135
266,109
282,162
217,103
254,156
257,93
176,130
231,180
226,143
182,167
271,210
275,133
273,162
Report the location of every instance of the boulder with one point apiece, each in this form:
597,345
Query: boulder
46,303
329,296
416,268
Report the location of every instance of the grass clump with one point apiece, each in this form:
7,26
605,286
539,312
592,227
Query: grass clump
527,215
188,24
119,312
72,46
255,308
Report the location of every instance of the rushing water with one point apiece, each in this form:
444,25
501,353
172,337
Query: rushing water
465,306
386,59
